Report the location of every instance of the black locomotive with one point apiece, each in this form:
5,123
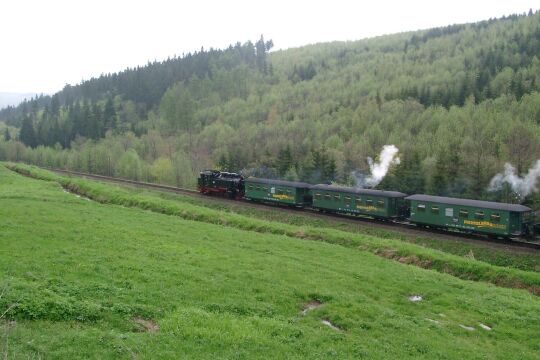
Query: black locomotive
221,182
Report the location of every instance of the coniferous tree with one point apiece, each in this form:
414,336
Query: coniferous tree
27,134
109,115
260,47
7,136
329,172
223,162
55,105
56,133
291,175
284,160
319,164
408,176
76,120
84,117
95,126
438,183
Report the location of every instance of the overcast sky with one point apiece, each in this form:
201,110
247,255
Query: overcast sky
47,44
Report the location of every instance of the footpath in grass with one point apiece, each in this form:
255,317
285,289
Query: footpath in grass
81,279
464,268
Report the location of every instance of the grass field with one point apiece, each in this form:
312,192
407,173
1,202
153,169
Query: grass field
190,208
82,279
524,260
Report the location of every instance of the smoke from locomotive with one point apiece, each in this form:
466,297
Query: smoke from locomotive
378,170
523,186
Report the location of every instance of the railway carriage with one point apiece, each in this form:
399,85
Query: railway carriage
474,216
278,191
374,203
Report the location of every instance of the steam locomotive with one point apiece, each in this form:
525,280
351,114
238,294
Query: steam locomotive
220,182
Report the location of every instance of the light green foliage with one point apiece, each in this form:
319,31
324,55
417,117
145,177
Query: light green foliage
175,171
291,175
177,108
82,284
129,166
162,170
183,170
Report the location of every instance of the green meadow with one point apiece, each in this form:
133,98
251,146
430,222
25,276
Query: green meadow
130,275
496,255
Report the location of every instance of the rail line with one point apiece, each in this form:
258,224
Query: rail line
399,226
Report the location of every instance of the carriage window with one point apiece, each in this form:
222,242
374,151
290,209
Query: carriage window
380,203
479,215
258,188
318,196
288,191
421,207
336,197
265,188
435,209
358,199
347,199
280,192
495,217
369,202
463,213
250,187
327,196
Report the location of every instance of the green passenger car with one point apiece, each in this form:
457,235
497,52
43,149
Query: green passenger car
375,203
277,191
474,216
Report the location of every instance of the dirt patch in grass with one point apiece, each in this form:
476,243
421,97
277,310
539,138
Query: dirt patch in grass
516,284
409,259
146,325
330,325
77,195
485,327
386,253
312,305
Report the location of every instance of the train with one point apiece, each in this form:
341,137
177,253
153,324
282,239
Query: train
493,219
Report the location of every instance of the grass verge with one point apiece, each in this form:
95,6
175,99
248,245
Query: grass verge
460,267
495,254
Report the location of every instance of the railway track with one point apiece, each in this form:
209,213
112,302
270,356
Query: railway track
399,226
126,181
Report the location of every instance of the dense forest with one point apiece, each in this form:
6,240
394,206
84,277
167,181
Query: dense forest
458,101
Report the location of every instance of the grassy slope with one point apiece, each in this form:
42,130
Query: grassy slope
82,271
529,261
408,253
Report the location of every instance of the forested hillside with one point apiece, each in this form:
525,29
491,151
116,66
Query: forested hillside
459,102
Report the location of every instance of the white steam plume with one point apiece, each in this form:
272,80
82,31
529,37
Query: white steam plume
378,170
522,186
